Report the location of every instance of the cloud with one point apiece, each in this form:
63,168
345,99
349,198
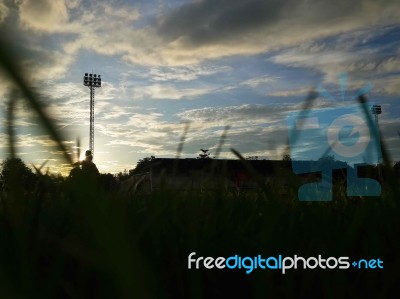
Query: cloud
251,128
28,140
68,104
257,81
243,114
217,28
71,16
185,73
71,4
201,30
168,92
4,11
45,64
35,60
206,22
388,85
111,112
124,13
391,64
43,15
329,61
46,35
303,91
192,32
362,64
149,120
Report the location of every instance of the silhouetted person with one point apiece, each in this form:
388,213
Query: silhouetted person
88,167
85,168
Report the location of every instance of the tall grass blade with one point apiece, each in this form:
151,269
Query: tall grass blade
182,141
10,124
221,141
8,61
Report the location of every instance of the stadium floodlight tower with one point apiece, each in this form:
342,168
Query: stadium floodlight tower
92,81
376,110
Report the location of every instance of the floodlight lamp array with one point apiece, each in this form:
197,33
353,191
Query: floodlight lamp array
92,80
376,109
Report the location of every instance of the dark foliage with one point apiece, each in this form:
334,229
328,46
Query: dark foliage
80,240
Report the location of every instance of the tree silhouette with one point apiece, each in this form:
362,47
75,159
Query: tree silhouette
204,155
145,161
252,158
15,174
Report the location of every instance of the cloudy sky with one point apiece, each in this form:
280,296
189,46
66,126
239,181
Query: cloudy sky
206,63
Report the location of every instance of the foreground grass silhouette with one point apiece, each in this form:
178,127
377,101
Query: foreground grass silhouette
63,239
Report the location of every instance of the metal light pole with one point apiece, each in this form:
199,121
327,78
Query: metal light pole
92,81
376,110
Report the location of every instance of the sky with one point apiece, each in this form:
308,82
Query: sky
205,64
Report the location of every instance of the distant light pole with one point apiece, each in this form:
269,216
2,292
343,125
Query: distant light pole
376,110
92,81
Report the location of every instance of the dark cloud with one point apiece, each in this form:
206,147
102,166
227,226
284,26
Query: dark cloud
205,22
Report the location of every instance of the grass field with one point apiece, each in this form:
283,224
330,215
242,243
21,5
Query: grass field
63,239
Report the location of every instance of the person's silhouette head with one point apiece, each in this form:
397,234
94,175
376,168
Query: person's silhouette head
88,155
